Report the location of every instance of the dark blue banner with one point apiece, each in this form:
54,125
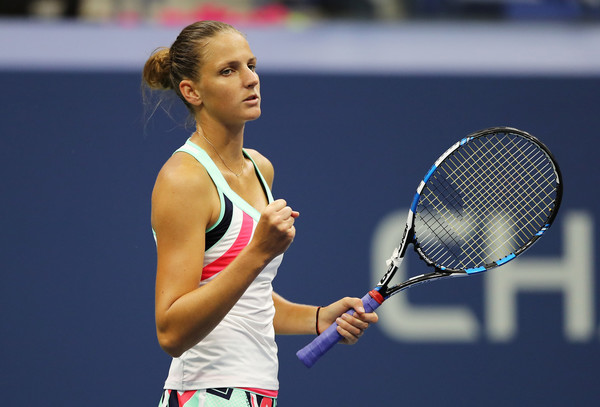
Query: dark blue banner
79,156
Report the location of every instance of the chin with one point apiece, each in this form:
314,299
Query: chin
254,116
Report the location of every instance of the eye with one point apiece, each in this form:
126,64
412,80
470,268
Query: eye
227,71
252,67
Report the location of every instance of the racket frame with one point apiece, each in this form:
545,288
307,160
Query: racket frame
382,291
408,237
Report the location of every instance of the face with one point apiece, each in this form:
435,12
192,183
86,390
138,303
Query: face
229,86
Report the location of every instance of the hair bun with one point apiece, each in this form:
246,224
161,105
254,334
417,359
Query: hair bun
157,70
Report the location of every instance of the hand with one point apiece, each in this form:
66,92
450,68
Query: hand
351,327
275,230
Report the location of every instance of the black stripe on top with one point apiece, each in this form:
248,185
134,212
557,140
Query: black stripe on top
217,232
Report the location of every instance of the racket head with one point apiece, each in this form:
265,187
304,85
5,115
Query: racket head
485,201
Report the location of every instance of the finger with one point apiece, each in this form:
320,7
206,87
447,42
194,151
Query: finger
353,326
348,338
287,223
291,232
356,304
370,317
355,322
286,212
278,204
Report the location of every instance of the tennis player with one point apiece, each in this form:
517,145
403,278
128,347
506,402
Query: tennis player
220,235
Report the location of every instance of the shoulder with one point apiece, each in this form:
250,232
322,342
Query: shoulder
264,165
182,186
182,172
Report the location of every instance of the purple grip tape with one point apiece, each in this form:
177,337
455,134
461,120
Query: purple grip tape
322,343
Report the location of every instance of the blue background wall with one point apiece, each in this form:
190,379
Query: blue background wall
78,158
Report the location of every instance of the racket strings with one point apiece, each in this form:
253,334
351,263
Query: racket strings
485,201
508,214
535,194
499,220
501,178
451,237
533,191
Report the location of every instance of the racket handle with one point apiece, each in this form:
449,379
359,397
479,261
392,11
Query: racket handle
322,343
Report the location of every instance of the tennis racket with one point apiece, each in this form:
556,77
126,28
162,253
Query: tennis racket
485,201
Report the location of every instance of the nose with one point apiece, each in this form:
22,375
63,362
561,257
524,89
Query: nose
250,78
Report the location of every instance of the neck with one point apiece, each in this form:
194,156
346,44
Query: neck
224,147
227,140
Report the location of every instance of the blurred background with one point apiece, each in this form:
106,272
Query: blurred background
359,98
270,11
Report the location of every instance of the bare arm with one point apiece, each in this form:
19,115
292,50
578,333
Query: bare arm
297,319
293,319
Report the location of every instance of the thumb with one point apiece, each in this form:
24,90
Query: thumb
358,306
353,303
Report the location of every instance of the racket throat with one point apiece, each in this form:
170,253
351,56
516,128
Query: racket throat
382,288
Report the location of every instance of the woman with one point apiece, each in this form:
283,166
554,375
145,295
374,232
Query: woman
220,234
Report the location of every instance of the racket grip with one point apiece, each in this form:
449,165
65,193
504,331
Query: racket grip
322,343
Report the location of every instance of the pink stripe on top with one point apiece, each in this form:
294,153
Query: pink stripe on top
240,242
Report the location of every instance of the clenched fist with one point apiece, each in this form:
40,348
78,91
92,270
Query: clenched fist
275,230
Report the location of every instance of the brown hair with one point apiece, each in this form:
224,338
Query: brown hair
167,67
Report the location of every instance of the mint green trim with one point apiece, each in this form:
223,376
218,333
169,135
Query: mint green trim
202,157
262,180
222,186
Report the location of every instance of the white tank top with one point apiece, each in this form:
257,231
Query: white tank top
241,351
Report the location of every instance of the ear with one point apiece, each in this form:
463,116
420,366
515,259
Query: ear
190,92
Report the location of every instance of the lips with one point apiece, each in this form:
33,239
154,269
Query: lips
251,98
